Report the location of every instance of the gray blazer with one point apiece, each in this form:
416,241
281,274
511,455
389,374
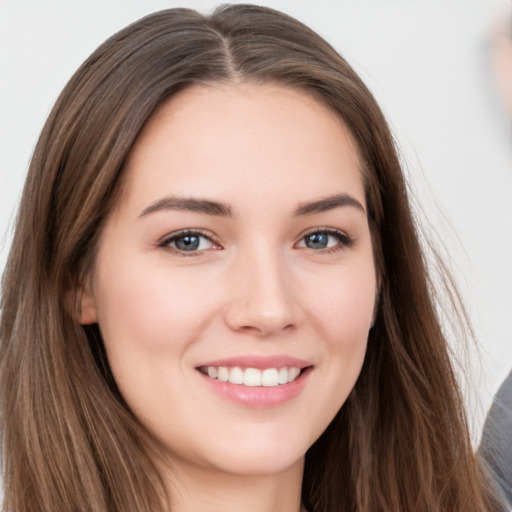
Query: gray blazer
496,445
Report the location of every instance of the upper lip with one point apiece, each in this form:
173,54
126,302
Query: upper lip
259,361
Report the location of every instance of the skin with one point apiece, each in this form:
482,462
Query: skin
254,286
500,56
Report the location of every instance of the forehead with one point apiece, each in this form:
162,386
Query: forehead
243,139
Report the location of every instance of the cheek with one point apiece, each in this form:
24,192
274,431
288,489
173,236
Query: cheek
346,333
149,316
344,316
344,309
341,317
149,308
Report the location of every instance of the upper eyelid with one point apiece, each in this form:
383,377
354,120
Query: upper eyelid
165,240
330,231
345,240
322,229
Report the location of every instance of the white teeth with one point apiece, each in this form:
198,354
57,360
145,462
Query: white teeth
236,376
252,377
293,373
269,377
222,374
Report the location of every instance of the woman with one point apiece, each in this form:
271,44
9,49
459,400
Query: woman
216,297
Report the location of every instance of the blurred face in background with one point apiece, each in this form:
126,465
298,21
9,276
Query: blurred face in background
234,285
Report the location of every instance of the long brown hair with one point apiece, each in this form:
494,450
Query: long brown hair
400,442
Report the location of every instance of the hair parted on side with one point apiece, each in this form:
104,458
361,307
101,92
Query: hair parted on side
69,442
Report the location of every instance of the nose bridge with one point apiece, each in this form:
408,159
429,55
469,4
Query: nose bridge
261,300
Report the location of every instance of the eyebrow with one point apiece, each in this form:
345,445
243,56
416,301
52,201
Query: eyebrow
188,204
328,203
221,209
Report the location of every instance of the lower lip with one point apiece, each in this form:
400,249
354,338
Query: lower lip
259,396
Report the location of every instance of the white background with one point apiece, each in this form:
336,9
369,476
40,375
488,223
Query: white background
426,62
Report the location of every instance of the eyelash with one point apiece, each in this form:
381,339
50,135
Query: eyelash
344,241
165,243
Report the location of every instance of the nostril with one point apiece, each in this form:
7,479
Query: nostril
265,329
250,329
260,316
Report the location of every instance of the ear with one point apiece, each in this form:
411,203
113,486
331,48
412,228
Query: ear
83,303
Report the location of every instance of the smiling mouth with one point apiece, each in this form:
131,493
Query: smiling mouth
253,377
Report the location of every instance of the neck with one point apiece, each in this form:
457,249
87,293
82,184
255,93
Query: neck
194,488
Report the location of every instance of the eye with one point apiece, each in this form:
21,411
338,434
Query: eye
325,239
188,242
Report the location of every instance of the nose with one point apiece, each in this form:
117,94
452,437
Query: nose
261,300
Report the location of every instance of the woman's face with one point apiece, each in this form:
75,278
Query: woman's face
234,283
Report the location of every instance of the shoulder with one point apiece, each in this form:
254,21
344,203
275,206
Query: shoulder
496,444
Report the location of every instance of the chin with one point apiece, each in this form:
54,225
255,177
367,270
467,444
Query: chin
260,464
262,453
